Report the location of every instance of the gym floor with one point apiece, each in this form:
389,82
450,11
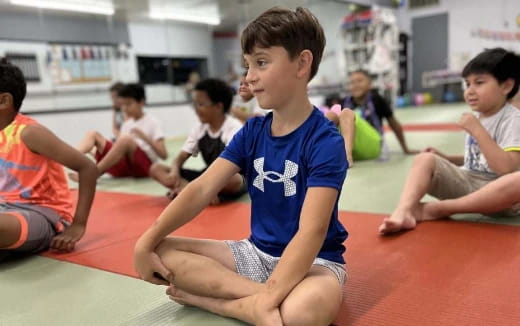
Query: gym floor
44,291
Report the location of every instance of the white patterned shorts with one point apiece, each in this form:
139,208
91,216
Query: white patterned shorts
256,265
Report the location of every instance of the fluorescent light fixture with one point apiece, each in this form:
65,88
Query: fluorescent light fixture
91,7
185,16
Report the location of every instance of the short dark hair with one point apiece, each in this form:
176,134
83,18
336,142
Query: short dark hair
116,87
135,91
361,71
295,31
13,82
218,91
499,63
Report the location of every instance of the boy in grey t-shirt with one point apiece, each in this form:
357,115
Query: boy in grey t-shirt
492,147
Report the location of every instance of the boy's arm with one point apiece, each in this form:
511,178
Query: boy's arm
180,211
42,141
398,131
500,161
157,145
301,251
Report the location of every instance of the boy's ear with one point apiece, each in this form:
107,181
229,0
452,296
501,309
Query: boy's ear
6,101
304,63
507,86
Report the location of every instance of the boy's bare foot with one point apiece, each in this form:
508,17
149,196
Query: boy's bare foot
401,220
178,295
187,299
73,176
431,211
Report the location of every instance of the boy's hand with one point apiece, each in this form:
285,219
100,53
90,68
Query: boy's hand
173,179
470,123
150,268
68,238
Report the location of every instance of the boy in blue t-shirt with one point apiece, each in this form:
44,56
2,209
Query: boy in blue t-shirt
291,269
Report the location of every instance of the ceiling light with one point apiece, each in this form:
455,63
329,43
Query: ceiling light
92,7
185,16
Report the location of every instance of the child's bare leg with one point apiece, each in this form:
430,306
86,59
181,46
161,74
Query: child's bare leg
92,139
10,230
241,309
347,120
161,173
204,268
314,301
124,146
409,209
496,196
320,288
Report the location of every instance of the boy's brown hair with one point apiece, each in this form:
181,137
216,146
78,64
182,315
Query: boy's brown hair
295,31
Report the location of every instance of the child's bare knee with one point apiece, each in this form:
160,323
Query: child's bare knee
155,169
292,316
125,140
93,134
235,183
425,158
10,230
301,312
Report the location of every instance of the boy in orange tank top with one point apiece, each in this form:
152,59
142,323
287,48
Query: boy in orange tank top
36,211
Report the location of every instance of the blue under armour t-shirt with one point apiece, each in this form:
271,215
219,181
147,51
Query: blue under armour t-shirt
279,170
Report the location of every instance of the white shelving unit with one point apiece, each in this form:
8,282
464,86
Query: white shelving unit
370,41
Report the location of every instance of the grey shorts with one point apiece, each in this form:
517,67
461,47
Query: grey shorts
37,226
450,181
256,265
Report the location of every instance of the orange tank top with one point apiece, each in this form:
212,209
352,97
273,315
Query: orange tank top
30,178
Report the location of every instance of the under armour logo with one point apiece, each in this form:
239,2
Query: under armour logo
289,186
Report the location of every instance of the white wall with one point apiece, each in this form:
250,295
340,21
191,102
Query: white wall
226,51
46,95
153,39
172,39
330,14
465,16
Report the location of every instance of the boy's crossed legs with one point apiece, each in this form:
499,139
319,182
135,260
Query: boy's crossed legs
205,276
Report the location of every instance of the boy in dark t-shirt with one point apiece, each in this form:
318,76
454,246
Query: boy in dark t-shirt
212,100
361,120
